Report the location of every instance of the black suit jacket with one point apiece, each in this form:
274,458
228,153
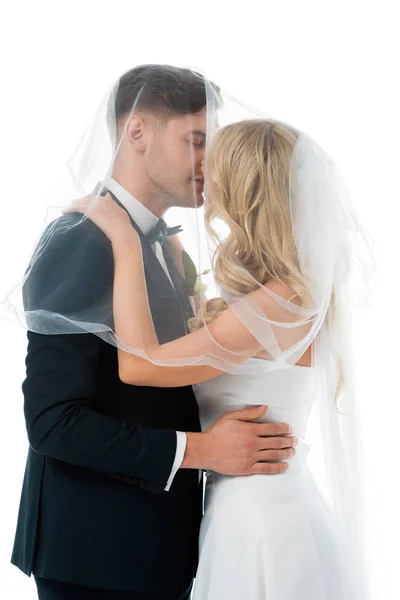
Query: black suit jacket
93,509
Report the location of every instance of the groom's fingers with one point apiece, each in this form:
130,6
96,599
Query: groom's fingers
270,443
261,468
275,454
247,414
270,429
261,429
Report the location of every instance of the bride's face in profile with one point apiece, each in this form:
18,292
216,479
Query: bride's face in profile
207,182
207,192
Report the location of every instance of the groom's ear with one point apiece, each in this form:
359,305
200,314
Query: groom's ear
135,132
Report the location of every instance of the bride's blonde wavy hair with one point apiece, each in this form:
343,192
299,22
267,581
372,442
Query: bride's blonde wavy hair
248,167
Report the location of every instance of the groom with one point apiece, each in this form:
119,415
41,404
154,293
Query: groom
112,497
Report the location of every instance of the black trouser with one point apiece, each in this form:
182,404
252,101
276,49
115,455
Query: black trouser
49,589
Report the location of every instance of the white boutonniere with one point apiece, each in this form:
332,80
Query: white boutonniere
196,287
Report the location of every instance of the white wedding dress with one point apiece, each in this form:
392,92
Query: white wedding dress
267,537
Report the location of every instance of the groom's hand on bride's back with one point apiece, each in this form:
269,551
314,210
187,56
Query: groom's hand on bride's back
235,445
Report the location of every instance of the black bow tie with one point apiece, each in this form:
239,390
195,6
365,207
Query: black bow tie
161,232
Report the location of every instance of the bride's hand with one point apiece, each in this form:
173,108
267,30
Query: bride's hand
106,214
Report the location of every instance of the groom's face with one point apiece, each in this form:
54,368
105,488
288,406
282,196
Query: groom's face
174,159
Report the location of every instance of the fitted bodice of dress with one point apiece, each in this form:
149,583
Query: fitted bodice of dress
289,394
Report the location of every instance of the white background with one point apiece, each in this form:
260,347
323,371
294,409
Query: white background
328,67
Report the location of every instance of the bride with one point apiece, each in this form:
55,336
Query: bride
278,329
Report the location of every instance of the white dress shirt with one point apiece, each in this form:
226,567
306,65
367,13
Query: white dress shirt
146,221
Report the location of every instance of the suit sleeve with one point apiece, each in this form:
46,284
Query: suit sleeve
61,373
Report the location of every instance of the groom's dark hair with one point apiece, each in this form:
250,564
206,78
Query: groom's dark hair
161,89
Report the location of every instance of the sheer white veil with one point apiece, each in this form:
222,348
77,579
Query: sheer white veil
329,251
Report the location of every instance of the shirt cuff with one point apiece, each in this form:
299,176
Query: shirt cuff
181,440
